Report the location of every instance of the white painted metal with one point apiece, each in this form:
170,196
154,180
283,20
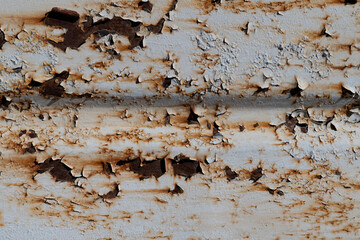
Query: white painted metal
269,89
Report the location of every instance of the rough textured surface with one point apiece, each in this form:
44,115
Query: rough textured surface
179,119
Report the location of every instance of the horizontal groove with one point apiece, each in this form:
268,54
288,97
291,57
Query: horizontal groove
176,100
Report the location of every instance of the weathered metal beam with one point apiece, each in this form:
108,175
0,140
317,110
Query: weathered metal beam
178,119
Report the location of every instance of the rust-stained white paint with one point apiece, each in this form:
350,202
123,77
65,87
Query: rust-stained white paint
260,97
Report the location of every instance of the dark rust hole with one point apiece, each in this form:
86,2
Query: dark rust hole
185,167
231,175
148,169
2,38
350,1
256,174
145,6
63,15
57,169
193,117
177,190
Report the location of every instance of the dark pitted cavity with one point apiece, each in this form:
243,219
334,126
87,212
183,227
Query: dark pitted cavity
112,194
147,169
345,93
4,103
230,174
290,123
184,166
172,7
256,174
167,82
145,6
32,134
177,190
157,28
2,38
57,169
193,117
30,148
107,168
58,15
350,1
52,86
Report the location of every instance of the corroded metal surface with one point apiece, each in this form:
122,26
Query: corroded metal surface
179,119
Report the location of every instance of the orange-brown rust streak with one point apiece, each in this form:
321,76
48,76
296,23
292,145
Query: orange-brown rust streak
250,6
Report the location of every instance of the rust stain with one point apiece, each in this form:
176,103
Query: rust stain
210,5
2,224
